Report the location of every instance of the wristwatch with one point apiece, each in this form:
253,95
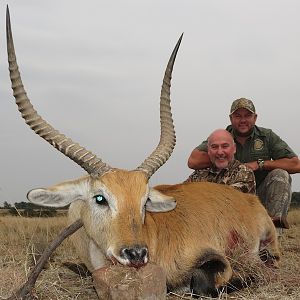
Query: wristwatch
260,163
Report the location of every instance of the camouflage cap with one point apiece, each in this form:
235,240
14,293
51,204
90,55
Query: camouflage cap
242,103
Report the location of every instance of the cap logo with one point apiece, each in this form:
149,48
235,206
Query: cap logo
258,144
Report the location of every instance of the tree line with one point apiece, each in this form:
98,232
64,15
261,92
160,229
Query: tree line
27,209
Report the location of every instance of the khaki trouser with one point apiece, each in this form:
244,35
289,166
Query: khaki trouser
275,193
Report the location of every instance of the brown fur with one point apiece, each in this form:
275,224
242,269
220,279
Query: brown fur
204,218
209,219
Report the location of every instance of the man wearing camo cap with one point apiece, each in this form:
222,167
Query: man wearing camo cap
263,151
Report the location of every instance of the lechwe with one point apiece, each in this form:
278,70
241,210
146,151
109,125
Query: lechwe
188,229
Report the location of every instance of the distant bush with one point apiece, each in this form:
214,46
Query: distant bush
295,199
6,205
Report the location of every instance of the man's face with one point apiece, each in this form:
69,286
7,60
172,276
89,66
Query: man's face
221,150
243,121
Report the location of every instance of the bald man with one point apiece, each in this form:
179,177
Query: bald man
224,168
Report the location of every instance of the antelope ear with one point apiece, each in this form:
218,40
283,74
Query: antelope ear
158,202
58,195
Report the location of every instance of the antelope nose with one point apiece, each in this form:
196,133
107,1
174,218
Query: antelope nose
137,255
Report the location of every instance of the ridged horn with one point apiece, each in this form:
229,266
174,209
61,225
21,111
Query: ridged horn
167,140
84,158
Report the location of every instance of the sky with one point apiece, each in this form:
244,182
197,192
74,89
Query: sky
94,69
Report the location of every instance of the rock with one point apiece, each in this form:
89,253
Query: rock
119,282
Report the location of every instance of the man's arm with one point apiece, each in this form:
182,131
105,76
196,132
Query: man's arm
198,160
291,165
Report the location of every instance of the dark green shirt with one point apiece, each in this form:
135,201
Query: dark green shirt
263,143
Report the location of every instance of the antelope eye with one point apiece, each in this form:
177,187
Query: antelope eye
100,199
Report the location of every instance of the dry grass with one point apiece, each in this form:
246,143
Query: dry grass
23,239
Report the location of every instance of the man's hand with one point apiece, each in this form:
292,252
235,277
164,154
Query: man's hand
199,160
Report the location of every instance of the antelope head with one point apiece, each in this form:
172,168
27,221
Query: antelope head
109,198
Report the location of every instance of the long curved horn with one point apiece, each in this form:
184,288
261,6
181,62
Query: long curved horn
167,132
84,158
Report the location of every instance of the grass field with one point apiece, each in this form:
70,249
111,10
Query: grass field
23,239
